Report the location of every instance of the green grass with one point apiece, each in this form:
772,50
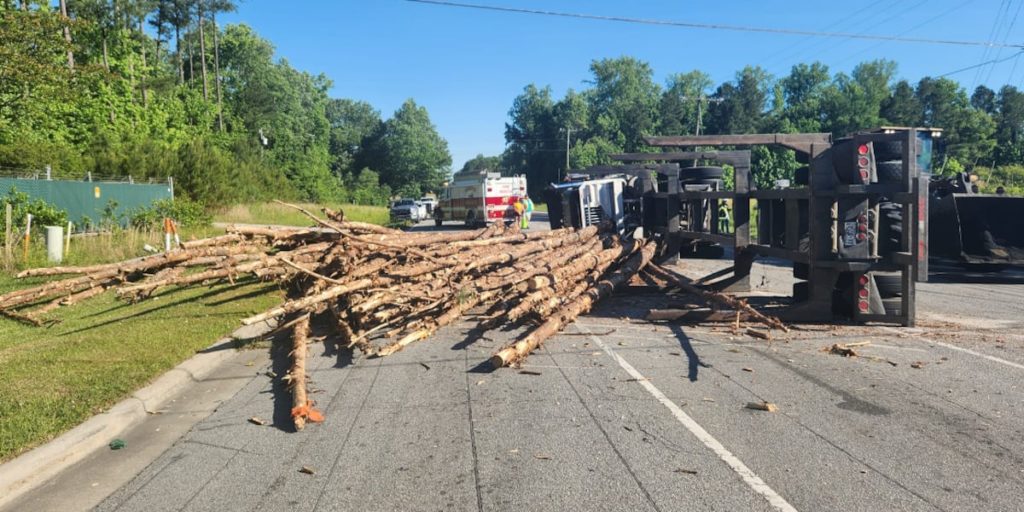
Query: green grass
53,378
102,350
273,213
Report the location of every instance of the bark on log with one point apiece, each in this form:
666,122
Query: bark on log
518,351
306,302
302,408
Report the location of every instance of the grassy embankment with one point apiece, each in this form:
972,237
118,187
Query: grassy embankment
104,349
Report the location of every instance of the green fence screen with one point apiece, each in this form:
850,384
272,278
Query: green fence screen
87,199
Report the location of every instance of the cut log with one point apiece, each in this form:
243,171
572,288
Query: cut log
302,407
713,297
306,302
518,351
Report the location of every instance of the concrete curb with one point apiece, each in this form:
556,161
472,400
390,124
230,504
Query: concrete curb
34,467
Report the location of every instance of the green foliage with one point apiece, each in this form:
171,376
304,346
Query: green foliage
186,213
412,156
137,105
624,101
1010,177
43,213
364,188
481,163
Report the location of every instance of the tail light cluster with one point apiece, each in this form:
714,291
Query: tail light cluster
863,293
864,163
862,227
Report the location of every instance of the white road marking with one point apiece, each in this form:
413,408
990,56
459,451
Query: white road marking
749,477
890,347
965,350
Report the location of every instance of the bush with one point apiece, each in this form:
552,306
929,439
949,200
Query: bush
185,212
43,213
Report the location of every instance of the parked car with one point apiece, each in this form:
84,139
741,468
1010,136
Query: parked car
429,203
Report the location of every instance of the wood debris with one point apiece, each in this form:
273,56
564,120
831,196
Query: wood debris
763,406
845,349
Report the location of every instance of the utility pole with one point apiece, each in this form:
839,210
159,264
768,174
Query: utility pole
700,110
568,131
67,33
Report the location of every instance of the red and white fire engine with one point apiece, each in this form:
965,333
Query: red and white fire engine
479,198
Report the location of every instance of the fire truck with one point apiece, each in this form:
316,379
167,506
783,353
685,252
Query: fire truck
479,198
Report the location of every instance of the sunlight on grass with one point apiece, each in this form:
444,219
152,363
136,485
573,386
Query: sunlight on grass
273,213
104,349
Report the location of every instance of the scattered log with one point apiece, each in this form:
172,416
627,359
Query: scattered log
728,301
518,351
302,407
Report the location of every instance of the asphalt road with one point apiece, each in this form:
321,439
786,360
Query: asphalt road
620,414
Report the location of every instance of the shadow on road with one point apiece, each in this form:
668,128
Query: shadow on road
946,271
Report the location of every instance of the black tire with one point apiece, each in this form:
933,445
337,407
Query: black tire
802,176
888,284
700,173
701,182
801,291
893,306
890,171
890,227
892,150
801,270
438,221
470,219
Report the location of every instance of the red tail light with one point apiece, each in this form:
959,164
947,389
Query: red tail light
863,149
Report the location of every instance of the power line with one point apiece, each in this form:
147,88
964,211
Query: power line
1006,36
718,26
915,27
993,34
800,46
986,63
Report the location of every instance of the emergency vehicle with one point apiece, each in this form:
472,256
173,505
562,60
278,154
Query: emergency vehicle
478,199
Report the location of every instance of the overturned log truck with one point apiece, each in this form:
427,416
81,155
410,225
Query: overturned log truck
854,223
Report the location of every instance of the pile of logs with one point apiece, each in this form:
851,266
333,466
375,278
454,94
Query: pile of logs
381,290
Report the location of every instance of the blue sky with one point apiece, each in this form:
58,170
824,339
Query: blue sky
467,65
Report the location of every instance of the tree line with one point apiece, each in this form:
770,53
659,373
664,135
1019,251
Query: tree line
983,130
157,88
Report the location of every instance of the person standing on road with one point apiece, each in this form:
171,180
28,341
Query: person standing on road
527,211
519,208
724,222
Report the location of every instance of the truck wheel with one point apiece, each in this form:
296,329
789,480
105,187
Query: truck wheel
687,174
890,227
890,172
470,219
892,150
893,306
888,284
438,220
